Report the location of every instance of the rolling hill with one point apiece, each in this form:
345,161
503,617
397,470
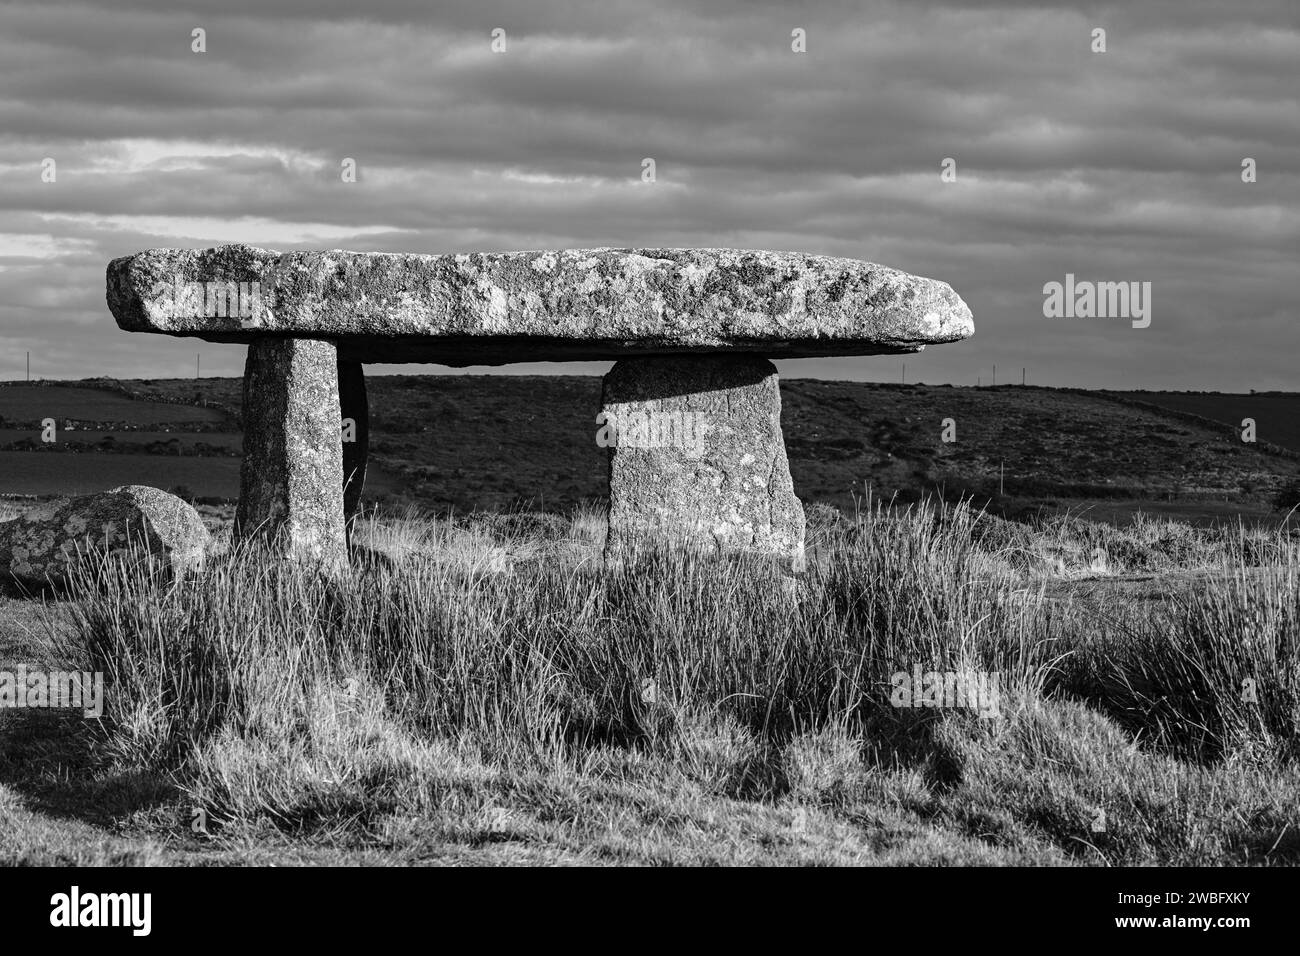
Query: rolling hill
468,442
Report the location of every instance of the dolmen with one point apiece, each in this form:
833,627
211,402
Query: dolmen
691,408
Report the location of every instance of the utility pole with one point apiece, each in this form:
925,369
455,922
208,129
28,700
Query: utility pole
198,365
29,368
995,376
1022,377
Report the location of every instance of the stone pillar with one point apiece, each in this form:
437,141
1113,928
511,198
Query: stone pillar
291,479
354,405
697,457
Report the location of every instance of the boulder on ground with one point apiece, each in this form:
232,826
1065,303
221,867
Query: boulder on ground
43,547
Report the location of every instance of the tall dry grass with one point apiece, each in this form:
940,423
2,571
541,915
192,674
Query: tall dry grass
269,692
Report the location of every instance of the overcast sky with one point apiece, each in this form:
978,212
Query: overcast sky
1117,166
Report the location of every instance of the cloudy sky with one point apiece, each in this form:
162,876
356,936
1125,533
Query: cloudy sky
1117,166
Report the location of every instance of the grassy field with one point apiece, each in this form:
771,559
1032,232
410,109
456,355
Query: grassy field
485,691
45,473
33,403
108,441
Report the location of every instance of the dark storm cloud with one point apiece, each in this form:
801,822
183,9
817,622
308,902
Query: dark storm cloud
1116,166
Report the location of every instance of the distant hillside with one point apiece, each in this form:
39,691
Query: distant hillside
109,433
1276,414
469,442
1038,442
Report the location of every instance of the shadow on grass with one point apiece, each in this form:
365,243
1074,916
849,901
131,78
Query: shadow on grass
53,758
50,760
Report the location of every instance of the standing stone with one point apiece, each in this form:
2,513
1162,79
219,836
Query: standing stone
698,459
291,479
355,407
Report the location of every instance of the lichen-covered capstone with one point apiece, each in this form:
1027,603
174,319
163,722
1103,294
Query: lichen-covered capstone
572,304
697,458
291,478
44,546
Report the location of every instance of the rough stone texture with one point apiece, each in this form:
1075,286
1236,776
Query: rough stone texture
577,304
44,546
291,479
698,457
355,405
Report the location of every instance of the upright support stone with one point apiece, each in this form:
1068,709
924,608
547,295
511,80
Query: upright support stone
355,408
291,479
697,457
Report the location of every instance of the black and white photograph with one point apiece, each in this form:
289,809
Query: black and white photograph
645,434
